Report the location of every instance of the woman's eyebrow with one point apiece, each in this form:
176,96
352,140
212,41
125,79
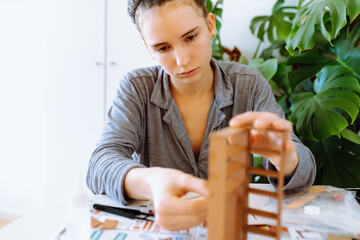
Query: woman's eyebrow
158,44
192,30
162,43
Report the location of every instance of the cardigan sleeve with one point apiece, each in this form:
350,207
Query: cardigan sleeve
122,136
305,172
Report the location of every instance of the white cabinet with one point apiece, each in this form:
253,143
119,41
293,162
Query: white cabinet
74,90
90,46
124,47
52,98
22,121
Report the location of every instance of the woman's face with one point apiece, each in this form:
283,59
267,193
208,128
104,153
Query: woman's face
179,39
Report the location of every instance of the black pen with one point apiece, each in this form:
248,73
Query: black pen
124,212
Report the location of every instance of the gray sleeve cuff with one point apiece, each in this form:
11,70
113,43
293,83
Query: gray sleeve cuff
109,177
304,174
122,197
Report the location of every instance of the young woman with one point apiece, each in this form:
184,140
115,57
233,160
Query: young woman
155,142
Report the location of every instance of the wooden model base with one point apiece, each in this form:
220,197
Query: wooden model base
229,173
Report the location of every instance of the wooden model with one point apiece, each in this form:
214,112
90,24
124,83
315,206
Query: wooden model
229,173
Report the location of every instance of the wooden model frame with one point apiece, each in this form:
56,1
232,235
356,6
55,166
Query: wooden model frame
229,173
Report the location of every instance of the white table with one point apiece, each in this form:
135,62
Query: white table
47,223
42,225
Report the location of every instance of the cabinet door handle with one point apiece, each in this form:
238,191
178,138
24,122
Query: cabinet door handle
114,64
99,64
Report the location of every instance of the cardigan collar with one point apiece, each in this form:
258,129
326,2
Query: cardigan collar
223,88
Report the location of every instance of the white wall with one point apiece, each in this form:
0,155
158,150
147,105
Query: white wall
126,49
74,90
51,98
22,106
237,16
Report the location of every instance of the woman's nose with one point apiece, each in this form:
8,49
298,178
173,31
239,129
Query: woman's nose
182,57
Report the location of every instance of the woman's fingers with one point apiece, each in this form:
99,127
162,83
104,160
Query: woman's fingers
172,203
260,120
174,213
173,206
171,210
179,221
266,142
193,184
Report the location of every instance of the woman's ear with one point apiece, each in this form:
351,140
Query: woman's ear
211,24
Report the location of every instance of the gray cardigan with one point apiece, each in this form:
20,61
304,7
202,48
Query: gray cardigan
145,127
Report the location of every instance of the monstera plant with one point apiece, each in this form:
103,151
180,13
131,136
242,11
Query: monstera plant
267,67
317,80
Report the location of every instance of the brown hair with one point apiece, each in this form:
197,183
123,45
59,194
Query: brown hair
134,5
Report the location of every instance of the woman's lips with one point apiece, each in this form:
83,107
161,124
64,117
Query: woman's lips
188,73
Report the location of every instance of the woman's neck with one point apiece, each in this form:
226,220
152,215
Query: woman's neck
197,90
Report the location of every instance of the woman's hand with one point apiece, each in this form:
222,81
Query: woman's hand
269,140
165,188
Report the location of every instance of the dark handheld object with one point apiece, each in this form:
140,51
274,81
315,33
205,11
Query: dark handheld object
125,212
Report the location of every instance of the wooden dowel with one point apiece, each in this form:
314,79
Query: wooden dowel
260,231
262,213
269,151
264,172
263,192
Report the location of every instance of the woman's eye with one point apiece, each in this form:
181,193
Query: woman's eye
163,49
192,37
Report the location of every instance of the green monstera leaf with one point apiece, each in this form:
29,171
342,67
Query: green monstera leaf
313,62
346,49
326,111
351,136
279,23
344,52
338,162
327,16
267,68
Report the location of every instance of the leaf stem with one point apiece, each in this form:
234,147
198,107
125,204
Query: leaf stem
257,49
300,3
